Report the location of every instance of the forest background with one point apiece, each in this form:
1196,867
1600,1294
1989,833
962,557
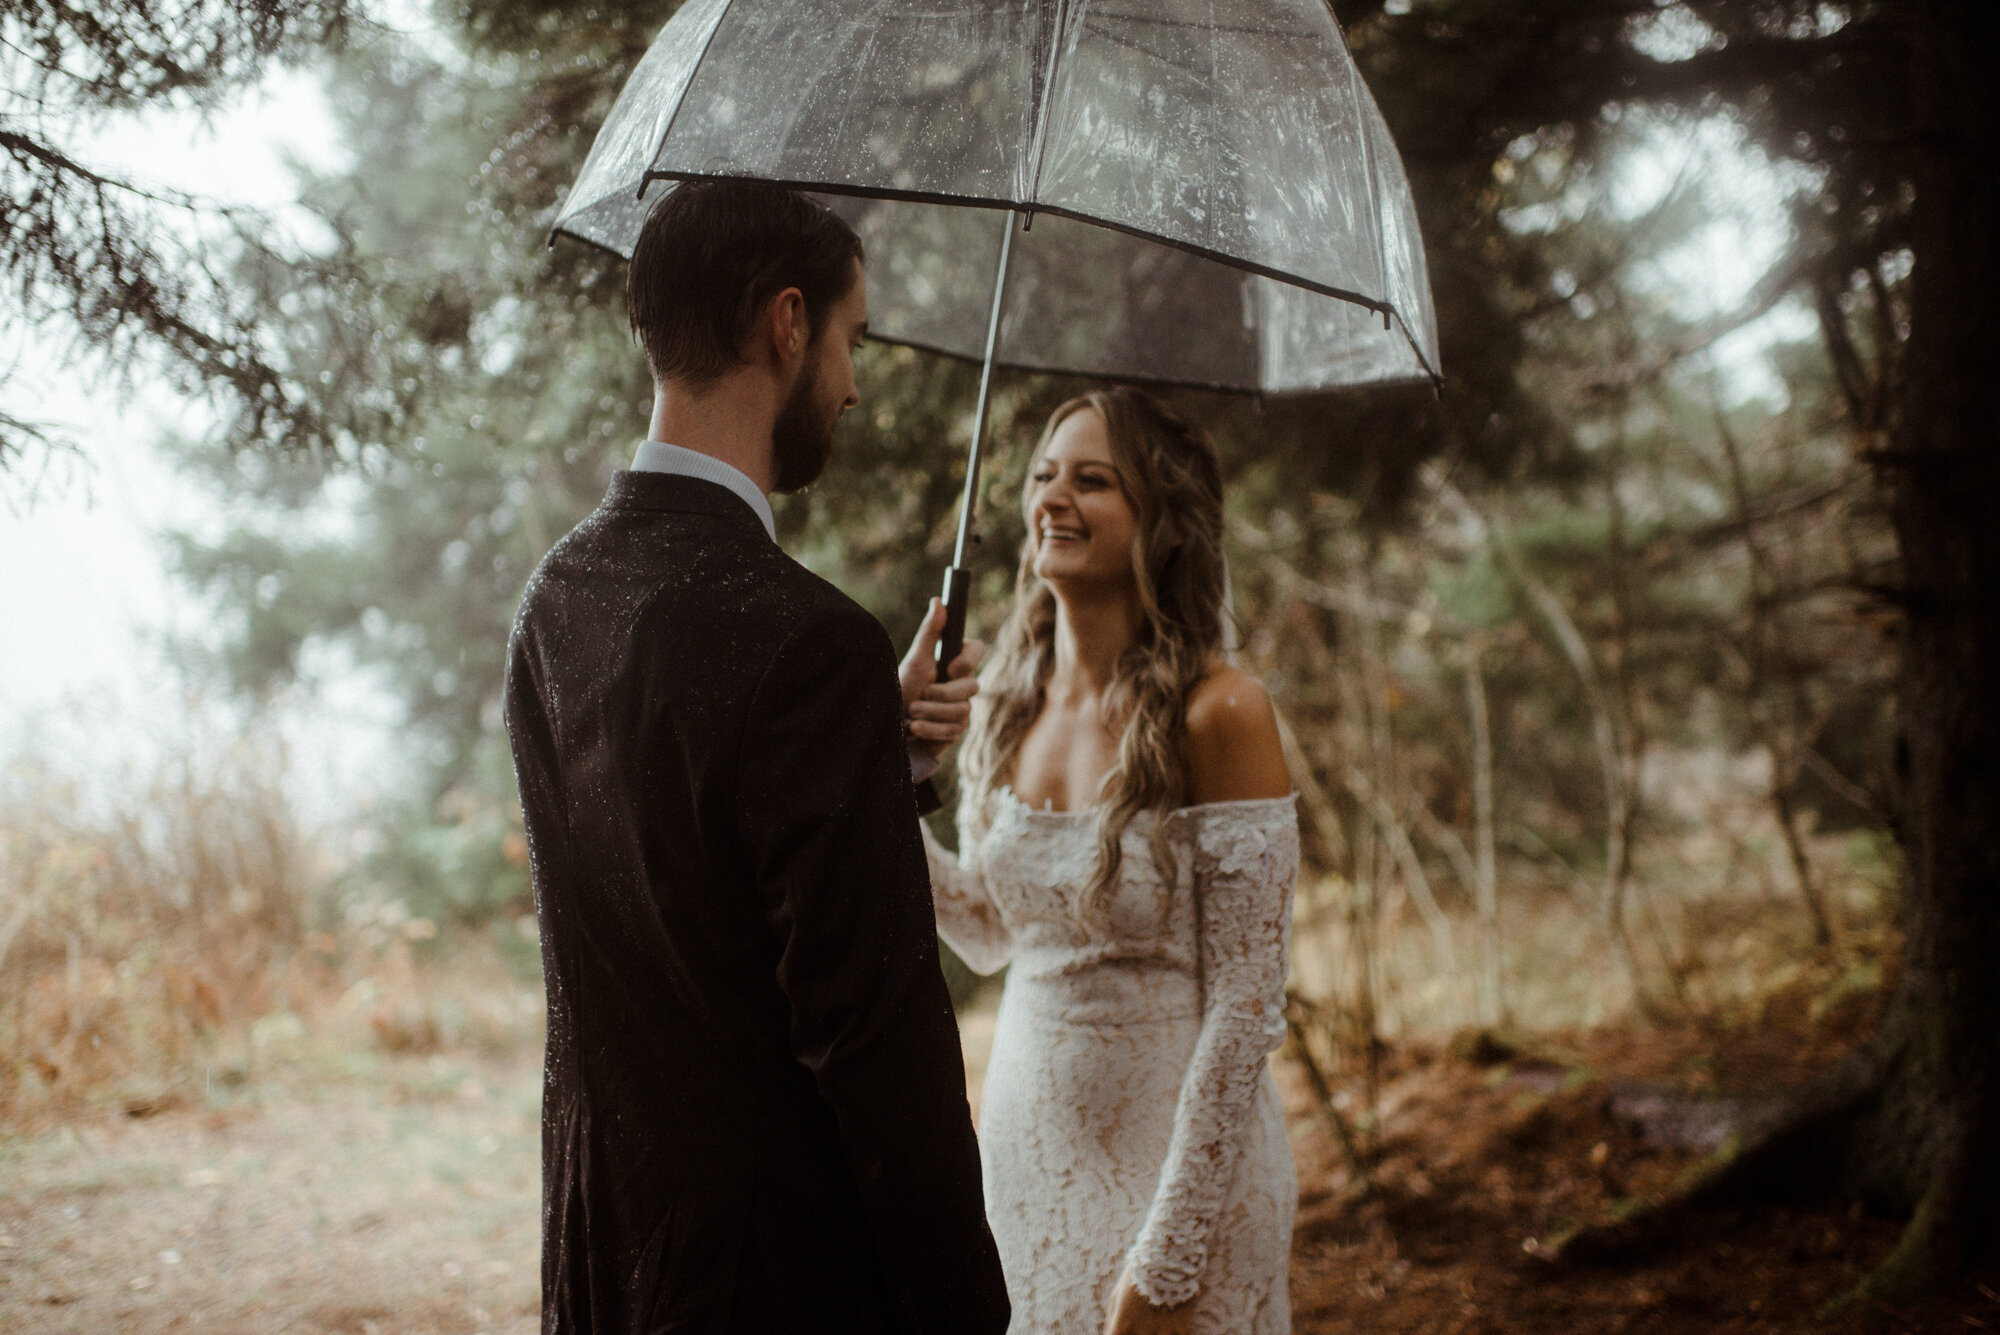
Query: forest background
1588,659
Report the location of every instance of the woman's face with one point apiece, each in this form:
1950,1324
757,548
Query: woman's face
1080,519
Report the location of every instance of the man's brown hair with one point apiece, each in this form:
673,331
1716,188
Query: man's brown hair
712,254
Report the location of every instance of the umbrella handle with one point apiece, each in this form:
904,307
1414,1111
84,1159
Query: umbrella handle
957,596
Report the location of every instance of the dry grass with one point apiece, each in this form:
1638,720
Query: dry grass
157,943
1721,939
225,1105
1718,930
146,918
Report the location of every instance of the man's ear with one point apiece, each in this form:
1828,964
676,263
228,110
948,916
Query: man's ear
786,325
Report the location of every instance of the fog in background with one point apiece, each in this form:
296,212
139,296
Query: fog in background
85,595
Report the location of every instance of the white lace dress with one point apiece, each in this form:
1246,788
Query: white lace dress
1127,1117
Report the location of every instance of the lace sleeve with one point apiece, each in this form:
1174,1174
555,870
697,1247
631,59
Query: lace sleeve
1246,858
966,917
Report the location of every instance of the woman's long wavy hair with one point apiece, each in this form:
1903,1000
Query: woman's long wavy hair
1168,469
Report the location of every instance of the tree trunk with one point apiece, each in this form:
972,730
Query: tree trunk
1944,473
1492,993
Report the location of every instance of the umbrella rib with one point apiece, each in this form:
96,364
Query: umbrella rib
1153,20
1047,103
1139,378
694,72
1134,44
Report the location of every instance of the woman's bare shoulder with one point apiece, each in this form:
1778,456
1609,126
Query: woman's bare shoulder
1227,697
1234,751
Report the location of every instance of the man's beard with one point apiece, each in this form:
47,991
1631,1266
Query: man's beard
802,437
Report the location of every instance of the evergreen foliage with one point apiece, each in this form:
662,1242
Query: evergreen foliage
114,265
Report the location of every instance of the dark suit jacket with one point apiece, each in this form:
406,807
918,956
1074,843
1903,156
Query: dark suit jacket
754,1113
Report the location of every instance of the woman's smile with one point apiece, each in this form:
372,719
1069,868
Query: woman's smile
1077,506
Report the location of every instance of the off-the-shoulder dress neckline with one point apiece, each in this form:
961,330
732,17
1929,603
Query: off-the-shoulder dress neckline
1006,791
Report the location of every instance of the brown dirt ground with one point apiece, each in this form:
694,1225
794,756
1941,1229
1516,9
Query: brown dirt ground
367,1193
395,1196
1481,1159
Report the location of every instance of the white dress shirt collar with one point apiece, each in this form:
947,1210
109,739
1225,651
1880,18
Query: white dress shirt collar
656,456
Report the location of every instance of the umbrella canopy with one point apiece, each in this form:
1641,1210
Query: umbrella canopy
1209,193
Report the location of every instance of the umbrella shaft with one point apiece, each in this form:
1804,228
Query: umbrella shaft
958,580
971,502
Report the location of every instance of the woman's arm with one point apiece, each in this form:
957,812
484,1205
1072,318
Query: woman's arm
935,716
1246,857
966,917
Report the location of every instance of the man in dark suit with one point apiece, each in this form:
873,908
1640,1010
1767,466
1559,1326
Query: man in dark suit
754,1114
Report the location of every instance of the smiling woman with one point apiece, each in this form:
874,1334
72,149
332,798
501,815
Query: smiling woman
1122,564
1129,846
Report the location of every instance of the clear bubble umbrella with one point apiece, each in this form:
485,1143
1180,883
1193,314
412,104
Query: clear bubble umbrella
1190,192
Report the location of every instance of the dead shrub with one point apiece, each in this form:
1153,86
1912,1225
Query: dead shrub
146,914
